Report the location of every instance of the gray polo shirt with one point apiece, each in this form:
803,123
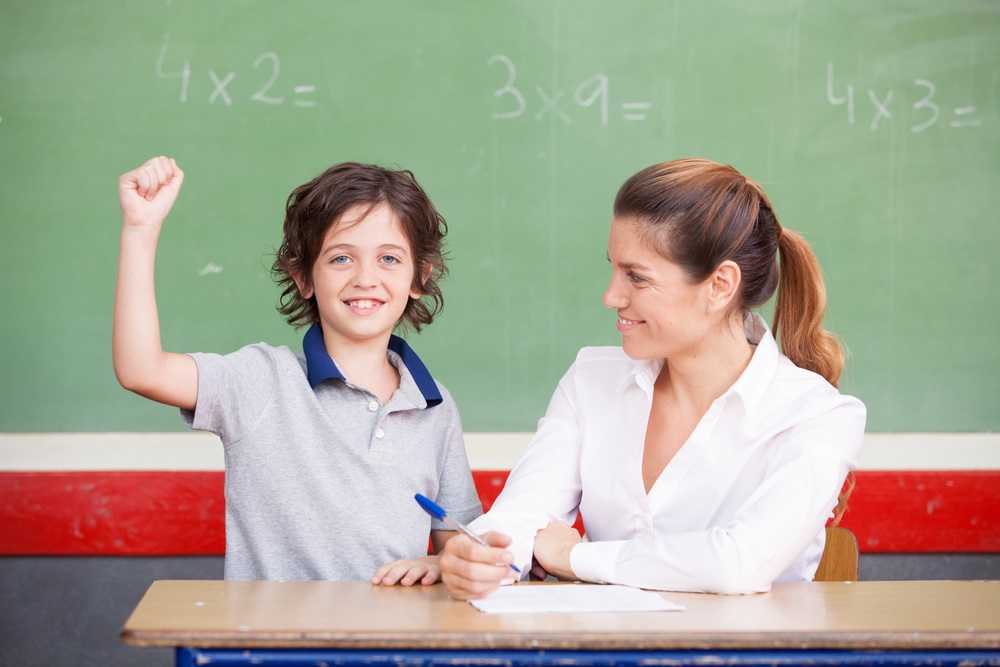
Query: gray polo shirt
320,476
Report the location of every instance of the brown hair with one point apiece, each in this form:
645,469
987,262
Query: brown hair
700,213
313,207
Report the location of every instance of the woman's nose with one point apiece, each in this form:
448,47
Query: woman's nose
613,298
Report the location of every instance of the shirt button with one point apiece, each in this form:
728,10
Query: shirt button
373,406
379,433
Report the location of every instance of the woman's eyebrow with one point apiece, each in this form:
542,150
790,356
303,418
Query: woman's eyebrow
633,265
628,266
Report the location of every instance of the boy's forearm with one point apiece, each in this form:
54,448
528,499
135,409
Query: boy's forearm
136,347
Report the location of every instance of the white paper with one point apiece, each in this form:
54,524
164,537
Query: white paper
571,599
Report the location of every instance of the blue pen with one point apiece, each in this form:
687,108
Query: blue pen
440,514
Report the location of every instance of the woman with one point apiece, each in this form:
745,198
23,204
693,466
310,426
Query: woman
701,457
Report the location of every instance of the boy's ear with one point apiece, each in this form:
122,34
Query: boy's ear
305,290
425,275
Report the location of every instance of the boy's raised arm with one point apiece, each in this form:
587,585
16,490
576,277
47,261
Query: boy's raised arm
147,194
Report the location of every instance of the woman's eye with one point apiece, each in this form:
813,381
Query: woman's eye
635,278
390,259
340,259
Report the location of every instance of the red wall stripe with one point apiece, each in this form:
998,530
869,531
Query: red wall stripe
112,513
926,511
163,513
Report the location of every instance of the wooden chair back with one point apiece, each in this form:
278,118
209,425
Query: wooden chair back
840,556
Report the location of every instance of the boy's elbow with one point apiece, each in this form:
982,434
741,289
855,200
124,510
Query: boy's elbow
132,379
125,379
129,382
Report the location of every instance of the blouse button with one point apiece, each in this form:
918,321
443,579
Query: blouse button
379,433
373,406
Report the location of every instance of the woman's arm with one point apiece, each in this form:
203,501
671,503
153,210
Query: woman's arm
543,486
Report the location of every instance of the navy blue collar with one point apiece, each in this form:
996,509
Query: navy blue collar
321,367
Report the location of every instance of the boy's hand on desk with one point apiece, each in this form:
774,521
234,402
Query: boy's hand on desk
408,572
148,192
552,548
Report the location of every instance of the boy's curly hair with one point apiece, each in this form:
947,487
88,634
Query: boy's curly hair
313,207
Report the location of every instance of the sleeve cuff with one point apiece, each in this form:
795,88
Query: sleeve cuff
522,546
596,561
202,418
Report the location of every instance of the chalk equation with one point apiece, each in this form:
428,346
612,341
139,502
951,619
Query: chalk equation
267,70
591,92
926,109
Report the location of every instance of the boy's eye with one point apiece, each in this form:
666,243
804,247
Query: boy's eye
340,259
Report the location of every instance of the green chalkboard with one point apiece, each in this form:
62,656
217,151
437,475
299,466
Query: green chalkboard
874,126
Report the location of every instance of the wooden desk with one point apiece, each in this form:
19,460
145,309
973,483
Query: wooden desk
354,623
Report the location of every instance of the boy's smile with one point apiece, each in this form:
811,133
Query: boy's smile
364,307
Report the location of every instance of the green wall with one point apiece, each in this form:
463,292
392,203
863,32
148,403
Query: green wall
902,210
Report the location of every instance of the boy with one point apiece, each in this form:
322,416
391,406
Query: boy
323,451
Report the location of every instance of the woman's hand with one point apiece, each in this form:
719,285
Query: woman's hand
148,192
408,572
552,547
537,572
470,570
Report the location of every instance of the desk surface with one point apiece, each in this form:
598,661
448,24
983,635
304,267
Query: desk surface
865,615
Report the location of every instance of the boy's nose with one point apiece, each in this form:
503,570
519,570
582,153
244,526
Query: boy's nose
365,276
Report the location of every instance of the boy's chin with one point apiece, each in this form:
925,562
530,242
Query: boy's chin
365,334
361,331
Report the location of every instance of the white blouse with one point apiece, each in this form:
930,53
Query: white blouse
741,505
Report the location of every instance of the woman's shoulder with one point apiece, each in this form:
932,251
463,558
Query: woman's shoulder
802,387
605,365
799,400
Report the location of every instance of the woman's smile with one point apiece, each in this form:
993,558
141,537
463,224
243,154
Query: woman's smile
625,325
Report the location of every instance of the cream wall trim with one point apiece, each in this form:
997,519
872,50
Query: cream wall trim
202,451
110,451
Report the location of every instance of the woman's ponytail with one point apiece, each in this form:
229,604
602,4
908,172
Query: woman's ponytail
799,312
